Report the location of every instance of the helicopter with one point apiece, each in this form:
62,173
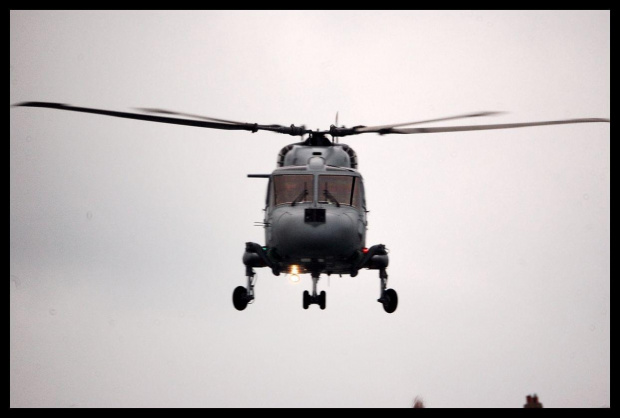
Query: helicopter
315,208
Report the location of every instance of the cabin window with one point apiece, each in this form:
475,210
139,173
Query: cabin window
293,188
340,190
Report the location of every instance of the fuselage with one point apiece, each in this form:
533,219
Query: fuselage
315,217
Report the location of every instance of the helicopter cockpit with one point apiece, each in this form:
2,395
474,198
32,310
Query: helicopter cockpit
324,189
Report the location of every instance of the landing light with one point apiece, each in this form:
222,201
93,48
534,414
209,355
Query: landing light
294,274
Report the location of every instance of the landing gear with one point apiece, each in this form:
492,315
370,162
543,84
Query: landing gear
389,297
374,258
244,295
320,299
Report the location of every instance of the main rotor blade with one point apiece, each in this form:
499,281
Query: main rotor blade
191,115
171,112
380,128
252,127
488,127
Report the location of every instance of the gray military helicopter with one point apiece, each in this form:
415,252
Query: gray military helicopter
315,211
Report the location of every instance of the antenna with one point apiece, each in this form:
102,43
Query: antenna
336,125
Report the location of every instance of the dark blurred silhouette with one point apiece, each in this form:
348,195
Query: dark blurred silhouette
531,401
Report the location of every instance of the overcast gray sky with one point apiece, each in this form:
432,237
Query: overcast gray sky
126,236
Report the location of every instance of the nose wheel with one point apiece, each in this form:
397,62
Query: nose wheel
319,299
314,298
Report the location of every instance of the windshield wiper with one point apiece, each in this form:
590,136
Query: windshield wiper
330,196
301,196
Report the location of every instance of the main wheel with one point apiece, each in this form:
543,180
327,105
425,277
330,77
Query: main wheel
322,299
306,299
240,298
390,300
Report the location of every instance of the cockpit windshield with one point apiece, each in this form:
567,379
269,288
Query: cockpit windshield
293,189
340,190
336,190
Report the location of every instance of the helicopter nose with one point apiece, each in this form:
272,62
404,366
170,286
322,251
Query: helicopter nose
296,236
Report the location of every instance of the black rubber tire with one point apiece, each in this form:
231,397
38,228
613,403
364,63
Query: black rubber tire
306,299
390,302
240,300
322,299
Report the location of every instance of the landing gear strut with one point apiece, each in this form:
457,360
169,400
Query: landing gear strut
244,295
389,297
319,299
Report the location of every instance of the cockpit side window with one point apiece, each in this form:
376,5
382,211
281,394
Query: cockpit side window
357,192
292,189
340,190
